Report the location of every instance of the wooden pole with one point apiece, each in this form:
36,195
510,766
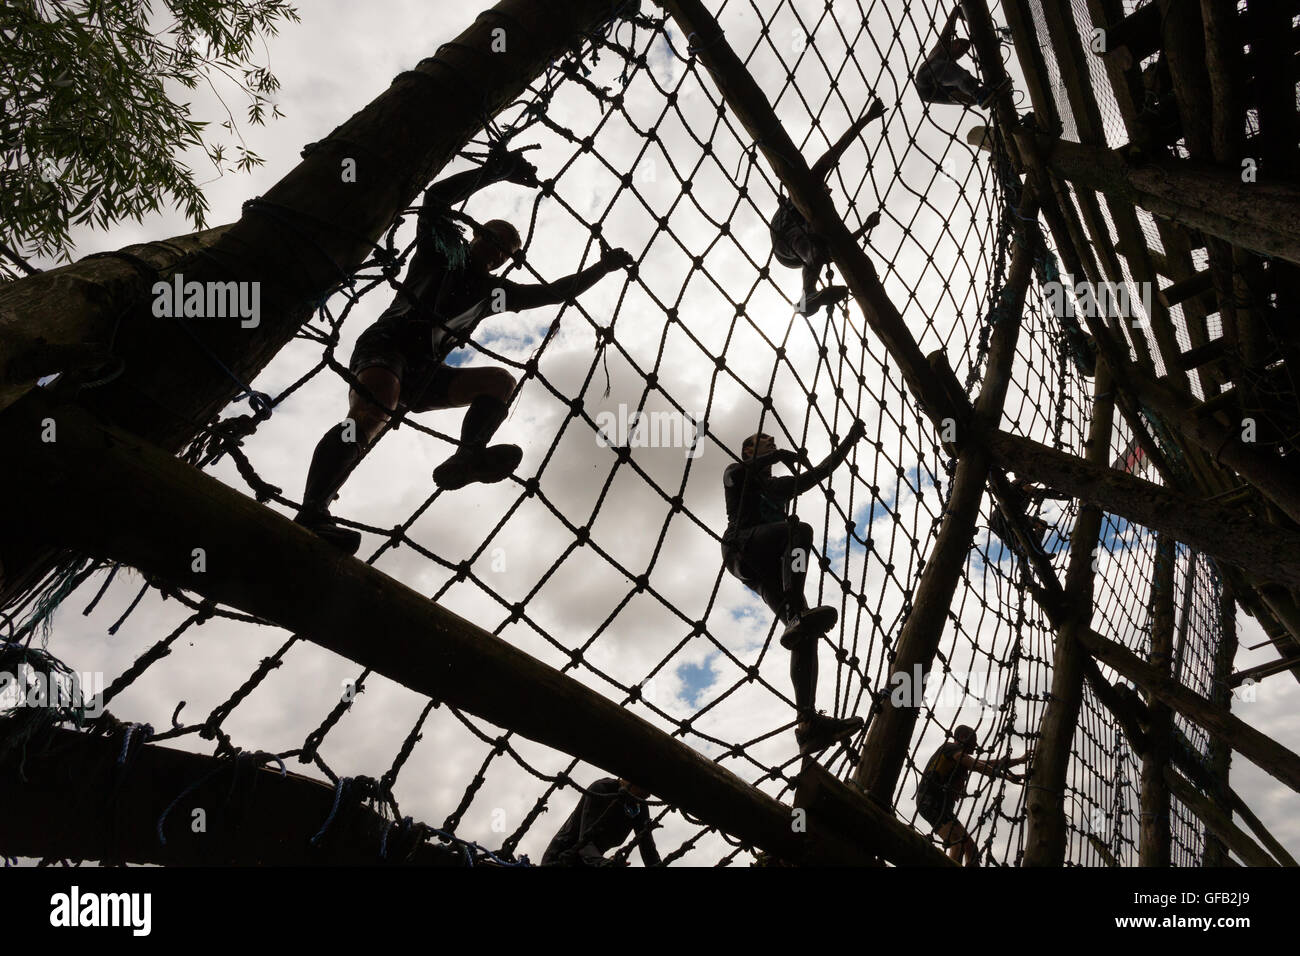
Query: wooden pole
1259,748
296,245
1046,833
1219,823
746,100
1263,549
1263,217
71,800
1153,839
844,810
1219,755
46,321
1261,832
262,563
889,736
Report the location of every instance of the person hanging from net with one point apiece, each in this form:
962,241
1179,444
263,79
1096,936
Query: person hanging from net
941,79
769,552
447,291
610,811
1023,493
796,246
943,784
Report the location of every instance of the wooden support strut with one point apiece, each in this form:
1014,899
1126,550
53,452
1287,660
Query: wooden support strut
1263,549
1219,823
163,509
1262,750
1218,758
746,100
1046,834
1154,845
1263,217
1128,710
885,750
65,797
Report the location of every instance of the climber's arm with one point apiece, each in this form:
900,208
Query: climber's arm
519,297
819,472
502,165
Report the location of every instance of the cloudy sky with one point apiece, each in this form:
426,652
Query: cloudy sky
937,251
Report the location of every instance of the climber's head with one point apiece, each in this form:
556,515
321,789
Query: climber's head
641,793
494,243
958,47
756,445
965,736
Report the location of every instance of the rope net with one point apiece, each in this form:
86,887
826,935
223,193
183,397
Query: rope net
601,555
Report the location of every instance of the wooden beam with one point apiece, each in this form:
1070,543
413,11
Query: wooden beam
298,243
1233,536
1263,217
1260,671
842,809
1219,753
1275,478
746,100
1197,284
1154,847
888,737
1217,821
264,564
1046,831
1270,842
50,322
1260,749
66,797
1133,39
1131,713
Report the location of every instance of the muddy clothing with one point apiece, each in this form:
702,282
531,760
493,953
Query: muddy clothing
602,820
942,784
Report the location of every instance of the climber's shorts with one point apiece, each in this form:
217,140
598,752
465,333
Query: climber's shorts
402,347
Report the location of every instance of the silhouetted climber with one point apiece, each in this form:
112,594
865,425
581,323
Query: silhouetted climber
442,300
795,245
1023,492
769,553
608,812
943,784
941,79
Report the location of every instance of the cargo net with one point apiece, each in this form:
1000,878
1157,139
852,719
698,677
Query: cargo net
601,556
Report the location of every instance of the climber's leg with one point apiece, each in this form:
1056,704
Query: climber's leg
486,392
803,625
814,259
378,365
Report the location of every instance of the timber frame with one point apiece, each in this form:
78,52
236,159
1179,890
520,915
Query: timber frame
1237,502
